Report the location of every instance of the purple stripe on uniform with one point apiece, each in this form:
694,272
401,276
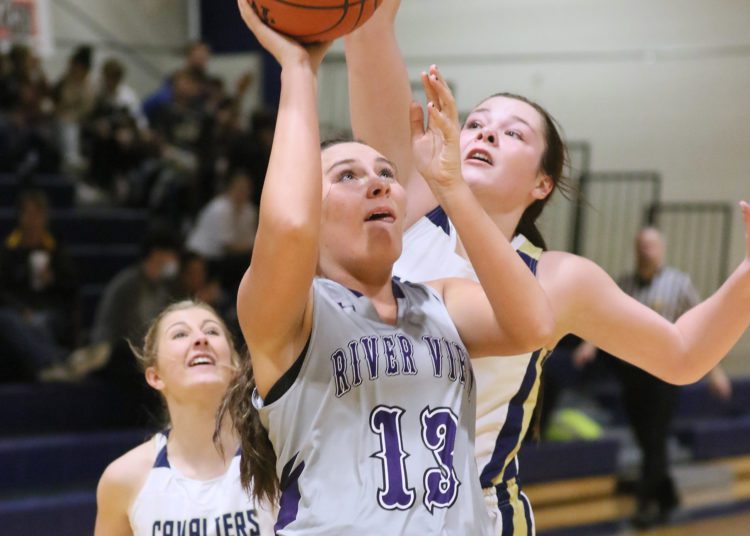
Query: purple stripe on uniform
438,216
510,433
290,496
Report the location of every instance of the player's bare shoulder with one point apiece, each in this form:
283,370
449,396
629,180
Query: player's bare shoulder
124,477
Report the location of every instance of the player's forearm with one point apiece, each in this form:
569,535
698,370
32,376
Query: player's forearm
712,328
379,89
290,202
521,306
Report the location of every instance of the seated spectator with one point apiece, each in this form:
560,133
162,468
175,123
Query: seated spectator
37,277
251,151
27,354
28,133
224,232
74,97
195,283
138,292
181,129
113,134
197,57
131,300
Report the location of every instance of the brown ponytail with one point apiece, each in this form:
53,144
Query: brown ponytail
258,460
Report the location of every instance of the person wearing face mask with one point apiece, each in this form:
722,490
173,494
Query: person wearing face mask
131,300
513,158
184,480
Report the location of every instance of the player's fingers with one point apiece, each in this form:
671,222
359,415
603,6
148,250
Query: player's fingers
444,93
429,91
440,123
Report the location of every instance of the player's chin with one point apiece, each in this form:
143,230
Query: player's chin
476,176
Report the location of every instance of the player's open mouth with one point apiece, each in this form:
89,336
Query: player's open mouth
381,214
480,155
201,359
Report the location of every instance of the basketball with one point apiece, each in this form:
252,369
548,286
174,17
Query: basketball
310,21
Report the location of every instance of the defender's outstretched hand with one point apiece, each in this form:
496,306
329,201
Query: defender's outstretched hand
437,154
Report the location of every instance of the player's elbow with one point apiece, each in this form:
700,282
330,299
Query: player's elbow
537,334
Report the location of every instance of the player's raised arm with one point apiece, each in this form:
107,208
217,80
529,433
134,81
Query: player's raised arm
592,306
274,293
380,101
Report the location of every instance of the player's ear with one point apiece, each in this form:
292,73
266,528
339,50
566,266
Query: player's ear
154,379
543,186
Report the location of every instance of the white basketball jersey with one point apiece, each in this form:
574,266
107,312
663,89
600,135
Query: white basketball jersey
374,435
507,386
171,504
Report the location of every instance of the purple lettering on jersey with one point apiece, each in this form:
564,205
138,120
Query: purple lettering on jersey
451,361
407,353
441,484
391,364
370,344
354,356
338,360
395,494
462,358
433,344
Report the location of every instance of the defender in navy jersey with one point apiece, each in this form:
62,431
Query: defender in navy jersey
364,385
178,482
513,158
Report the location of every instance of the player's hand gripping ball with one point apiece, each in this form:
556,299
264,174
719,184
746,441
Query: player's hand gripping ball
310,21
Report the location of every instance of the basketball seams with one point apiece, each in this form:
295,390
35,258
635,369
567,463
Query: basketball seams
356,11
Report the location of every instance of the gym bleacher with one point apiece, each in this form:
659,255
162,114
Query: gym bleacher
57,438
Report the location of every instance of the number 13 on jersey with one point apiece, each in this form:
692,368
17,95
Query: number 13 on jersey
441,485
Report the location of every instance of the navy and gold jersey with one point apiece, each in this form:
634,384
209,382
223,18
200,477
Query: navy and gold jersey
507,386
170,503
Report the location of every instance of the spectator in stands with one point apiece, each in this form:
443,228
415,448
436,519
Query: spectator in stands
28,135
197,57
74,96
193,282
136,295
115,93
37,276
131,300
181,128
113,134
225,131
188,474
224,232
252,151
27,354
650,402
21,67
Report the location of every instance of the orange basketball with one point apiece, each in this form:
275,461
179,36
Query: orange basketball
309,21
